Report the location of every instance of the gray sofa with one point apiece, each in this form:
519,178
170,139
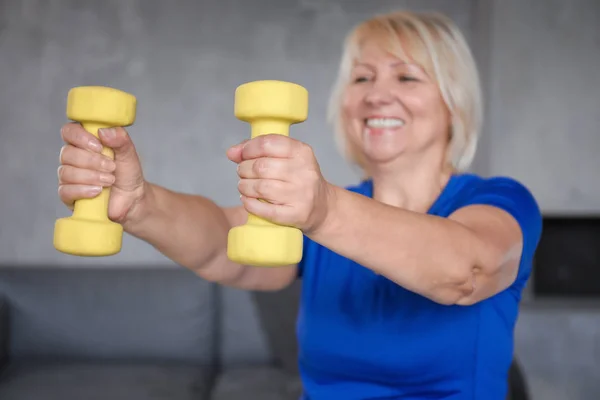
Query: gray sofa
123,334
128,334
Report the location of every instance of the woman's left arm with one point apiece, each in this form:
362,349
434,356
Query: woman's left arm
463,259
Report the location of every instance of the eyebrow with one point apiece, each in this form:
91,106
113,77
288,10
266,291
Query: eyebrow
394,64
412,66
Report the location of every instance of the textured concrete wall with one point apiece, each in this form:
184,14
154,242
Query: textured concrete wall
544,125
183,60
545,101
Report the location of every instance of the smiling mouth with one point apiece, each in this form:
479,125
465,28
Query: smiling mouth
384,123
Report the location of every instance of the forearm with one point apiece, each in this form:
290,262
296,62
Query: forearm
422,253
190,230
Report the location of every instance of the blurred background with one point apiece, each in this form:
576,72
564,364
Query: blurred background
539,61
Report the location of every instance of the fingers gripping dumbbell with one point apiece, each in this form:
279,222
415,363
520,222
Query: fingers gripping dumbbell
270,107
89,231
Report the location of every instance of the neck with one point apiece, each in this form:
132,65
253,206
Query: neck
409,184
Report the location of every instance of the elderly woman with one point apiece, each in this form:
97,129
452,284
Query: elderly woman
412,277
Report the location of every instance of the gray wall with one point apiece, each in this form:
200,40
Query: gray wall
183,60
545,100
544,126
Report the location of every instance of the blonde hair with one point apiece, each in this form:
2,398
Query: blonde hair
435,42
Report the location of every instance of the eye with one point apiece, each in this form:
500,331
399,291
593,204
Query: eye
360,79
406,78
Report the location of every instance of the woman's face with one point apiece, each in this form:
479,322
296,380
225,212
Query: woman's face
393,109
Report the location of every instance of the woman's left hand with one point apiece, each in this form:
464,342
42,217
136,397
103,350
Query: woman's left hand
284,172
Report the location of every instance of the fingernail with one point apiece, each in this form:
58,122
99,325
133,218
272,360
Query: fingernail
108,165
95,145
94,190
107,178
108,133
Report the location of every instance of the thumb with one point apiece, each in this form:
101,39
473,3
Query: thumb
129,171
118,139
234,153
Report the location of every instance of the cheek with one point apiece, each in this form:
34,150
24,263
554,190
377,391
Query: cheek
431,107
421,104
440,113
351,102
346,106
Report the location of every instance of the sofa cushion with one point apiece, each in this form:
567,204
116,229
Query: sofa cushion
257,382
110,313
27,381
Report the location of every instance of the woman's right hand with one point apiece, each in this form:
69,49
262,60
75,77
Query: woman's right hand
83,170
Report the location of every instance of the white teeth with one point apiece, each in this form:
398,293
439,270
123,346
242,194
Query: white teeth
384,122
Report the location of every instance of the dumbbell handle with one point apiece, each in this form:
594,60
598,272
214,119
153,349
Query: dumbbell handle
264,126
95,209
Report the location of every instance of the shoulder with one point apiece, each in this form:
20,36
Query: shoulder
501,191
508,194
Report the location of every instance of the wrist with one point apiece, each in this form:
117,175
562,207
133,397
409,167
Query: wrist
326,216
141,209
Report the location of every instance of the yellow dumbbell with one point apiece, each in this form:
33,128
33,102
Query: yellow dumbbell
270,107
89,231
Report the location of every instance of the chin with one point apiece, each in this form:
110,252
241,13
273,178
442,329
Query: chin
382,148
382,157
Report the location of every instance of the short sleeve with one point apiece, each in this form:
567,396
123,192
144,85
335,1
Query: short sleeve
513,197
303,261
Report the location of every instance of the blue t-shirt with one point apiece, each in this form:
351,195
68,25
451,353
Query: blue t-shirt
362,336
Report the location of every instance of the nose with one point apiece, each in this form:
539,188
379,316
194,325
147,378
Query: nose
379,94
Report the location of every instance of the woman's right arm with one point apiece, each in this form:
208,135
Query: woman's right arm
189,229
192,231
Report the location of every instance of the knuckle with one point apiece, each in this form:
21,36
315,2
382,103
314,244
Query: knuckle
260,166
295,143
122,132
265,141
273,140
260,187
306,149
81,137
286,144
263,187
313,178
